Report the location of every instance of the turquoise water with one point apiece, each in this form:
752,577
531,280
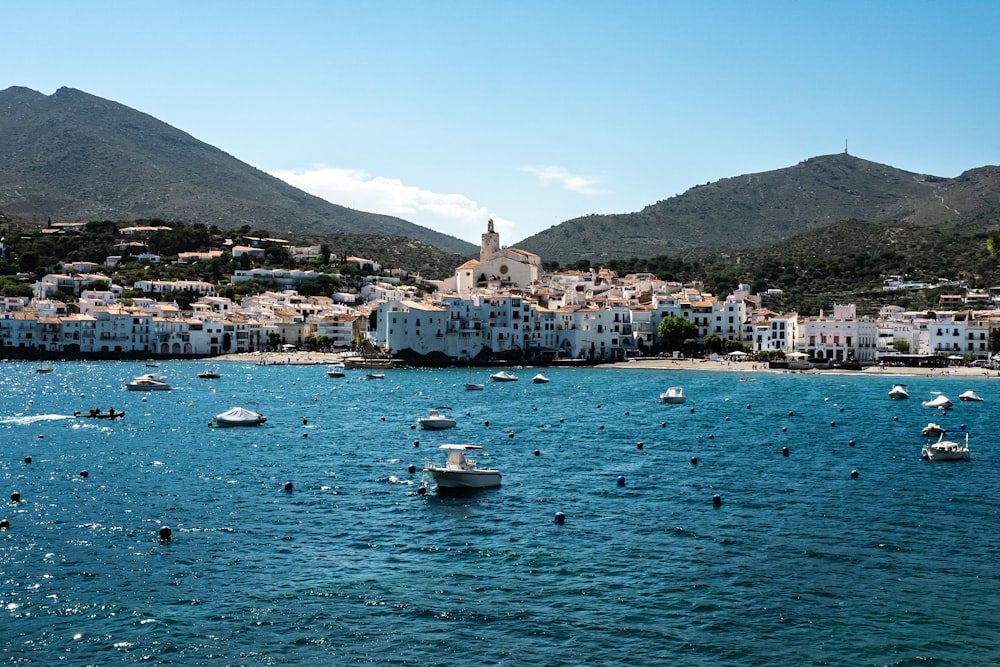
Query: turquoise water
801,564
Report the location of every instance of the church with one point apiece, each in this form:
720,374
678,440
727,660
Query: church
496,267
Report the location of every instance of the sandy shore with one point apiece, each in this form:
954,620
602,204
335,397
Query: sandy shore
747,367
744,367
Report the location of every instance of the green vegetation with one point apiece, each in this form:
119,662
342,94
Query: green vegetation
31,252
676,333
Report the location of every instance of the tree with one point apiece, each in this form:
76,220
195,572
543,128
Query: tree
713,343
993,244
674,330
690,346
733,346
903,347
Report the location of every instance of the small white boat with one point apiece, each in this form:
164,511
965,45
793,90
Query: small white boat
673,395
947,450
898,392
209,374
939,402
374,376
435,421
460,472
44,369
336,372
148,382
970,397
503,376
239,417
474,386
932,429
539,379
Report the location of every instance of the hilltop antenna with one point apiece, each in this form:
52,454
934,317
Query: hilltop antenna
845,147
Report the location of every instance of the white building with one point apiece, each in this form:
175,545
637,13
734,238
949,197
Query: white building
842,337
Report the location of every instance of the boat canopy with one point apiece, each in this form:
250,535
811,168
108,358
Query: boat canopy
238,414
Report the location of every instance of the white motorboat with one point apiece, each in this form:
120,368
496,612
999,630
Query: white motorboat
239,417
932,429
898,392
209,374
970,397
947,450
503,376
460,472
148,382
369,375
673,395
435,421
939,402
539,379
336,372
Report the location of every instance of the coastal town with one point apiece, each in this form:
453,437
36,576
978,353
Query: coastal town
501,306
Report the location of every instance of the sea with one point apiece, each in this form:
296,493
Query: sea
772,519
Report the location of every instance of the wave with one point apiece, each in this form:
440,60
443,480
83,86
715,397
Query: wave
26,420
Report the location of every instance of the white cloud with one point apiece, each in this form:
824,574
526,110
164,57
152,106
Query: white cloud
452,214
584,185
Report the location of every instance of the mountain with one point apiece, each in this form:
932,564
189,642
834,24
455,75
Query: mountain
757,210
72,156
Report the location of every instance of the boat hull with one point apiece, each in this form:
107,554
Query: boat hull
225,423
436,424
98,415
133,387
948,452
464,479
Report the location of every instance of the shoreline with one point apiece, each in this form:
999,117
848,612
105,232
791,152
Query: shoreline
742,367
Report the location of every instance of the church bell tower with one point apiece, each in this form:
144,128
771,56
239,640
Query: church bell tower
491,243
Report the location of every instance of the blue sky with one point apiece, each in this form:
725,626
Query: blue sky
447,113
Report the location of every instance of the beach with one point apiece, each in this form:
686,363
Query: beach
303,358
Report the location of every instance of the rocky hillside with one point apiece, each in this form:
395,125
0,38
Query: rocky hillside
71,156
757,210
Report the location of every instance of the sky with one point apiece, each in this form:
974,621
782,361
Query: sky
447,113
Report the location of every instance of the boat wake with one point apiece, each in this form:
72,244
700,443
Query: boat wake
26,420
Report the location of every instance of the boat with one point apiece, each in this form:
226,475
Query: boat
939,402
374,376
503,376
970,397
44,369
435,421
947,450
239,417
150,364
148,382
97,414
473,386
898,392
209,375
932,429
367,362
673,395
336,372
539,379
460,472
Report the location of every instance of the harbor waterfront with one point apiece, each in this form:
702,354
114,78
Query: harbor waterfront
307,540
